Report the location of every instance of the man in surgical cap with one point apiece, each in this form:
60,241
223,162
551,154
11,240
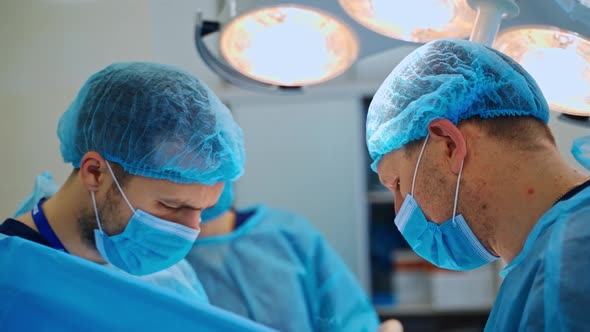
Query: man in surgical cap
151,147
275,268
458,132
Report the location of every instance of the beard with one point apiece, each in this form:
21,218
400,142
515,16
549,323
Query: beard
439,190
109,214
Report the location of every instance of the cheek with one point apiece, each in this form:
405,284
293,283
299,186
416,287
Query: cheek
114,216
407,176
437,201
474,199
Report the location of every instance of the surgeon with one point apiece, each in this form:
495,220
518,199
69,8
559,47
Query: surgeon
150,146
458,132
273,267
180,278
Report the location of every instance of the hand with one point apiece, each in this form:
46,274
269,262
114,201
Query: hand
392,325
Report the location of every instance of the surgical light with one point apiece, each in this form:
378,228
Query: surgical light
288,45
415,20
559,60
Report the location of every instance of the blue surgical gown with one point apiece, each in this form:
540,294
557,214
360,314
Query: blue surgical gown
42,289
547,286
179,279
277,270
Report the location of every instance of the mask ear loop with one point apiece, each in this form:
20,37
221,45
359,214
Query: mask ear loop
457,192
96,211
418,163
119,187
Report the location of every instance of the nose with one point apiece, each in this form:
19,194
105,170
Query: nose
193,220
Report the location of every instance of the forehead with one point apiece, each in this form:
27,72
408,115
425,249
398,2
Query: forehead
391,165
195,194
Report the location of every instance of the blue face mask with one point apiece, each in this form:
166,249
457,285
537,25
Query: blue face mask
452,245
147,245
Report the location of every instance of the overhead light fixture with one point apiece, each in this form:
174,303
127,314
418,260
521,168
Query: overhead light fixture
490,14
578,10
281,47
289,45
553,57
415,20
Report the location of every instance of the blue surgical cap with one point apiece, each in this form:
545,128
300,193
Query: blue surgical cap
224,204
44,187
581,150
448,79
156,121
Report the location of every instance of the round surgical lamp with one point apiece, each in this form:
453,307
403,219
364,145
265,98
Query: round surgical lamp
279,47
289,45
559,60
413,20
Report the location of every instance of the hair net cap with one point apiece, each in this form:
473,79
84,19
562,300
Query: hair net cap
581,150
44,187
448,79
223,205
155,121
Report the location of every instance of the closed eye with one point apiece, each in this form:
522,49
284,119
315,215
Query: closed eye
182,206
169,207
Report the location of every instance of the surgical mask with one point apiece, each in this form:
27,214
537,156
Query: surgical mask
147,245
452,245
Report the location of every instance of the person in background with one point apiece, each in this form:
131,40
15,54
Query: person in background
273,267
458,132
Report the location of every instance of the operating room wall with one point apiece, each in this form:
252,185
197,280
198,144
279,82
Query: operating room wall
48,49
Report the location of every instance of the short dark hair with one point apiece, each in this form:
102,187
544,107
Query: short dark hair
523,132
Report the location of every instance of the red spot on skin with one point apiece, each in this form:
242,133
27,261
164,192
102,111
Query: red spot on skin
531,191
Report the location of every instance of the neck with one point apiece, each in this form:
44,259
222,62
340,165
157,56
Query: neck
62,212
222,225
525,190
